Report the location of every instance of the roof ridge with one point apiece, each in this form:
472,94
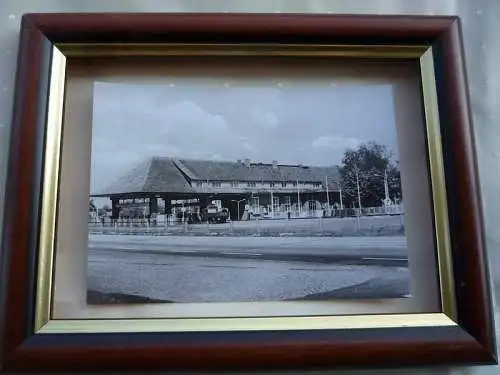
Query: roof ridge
184,169
207,160
253,163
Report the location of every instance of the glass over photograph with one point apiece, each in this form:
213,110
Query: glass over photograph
213,190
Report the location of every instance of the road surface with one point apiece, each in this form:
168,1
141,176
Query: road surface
380,250
214,269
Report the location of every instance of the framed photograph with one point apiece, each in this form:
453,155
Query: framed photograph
248,190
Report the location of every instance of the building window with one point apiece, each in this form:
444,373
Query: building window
216,184
251,184
234,183
283,184
199,184
271,184
294,184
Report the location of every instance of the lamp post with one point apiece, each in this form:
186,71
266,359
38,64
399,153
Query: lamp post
356,170
298,197
386,186
238,205
387,197
327,194
272,204
341,202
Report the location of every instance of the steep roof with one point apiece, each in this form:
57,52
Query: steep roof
239,171
169,175
150,176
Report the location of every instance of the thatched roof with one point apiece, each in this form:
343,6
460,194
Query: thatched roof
256,172
154,175
169,175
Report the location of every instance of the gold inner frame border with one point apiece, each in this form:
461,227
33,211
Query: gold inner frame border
60,54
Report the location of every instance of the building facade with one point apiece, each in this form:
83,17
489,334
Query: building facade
247,190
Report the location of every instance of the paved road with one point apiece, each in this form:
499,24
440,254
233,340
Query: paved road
360,250
178,269
198,279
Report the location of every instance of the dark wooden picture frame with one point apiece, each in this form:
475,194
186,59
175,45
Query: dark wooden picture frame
469,341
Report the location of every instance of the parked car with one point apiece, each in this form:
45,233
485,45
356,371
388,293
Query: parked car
214,214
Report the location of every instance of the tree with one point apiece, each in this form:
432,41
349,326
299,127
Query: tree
366,168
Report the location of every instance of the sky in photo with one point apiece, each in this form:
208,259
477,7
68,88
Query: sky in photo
306,123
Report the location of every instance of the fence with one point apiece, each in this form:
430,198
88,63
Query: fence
172,220
319,226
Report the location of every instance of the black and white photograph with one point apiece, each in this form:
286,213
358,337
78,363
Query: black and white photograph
244,190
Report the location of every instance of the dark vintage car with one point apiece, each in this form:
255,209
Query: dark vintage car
214,214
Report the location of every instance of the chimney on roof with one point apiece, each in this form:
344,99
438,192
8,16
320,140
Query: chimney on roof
275,163
247,162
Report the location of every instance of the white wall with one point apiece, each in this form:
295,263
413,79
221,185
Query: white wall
482,47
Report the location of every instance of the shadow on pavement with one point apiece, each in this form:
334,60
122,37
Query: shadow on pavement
376,288
99,298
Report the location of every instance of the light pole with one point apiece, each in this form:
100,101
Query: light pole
341,202
298,197
387,197
357,186
272,204
238,205
327,194
386,186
